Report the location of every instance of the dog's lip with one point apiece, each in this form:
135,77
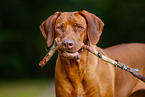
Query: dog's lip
70,55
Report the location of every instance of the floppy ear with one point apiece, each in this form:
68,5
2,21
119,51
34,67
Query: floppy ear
47,28
95,26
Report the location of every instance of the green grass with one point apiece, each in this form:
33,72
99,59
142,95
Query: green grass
26,88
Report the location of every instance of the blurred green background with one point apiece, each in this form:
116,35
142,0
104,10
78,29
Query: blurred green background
22,45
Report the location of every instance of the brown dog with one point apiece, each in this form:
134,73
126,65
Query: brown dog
79,73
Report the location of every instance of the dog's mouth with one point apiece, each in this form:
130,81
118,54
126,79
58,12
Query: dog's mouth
65,51
70,55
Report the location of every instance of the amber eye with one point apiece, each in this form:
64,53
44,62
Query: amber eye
59,28
80,27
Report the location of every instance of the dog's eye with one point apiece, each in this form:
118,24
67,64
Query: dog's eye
79,27
59,28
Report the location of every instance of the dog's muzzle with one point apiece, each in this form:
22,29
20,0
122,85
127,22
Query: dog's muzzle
69,49
69,55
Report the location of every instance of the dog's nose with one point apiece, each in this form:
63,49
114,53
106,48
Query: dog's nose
67,44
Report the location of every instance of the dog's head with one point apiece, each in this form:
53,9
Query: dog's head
71,30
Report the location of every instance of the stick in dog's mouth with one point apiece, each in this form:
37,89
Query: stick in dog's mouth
76,55
70,55
65,54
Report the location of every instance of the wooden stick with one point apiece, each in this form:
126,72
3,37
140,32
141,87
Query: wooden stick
133,71
48,55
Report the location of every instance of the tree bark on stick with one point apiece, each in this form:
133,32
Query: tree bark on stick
48,55
116,63
133,71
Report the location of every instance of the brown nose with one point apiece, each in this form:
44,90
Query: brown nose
67,44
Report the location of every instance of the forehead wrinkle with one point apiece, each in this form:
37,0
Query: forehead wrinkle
63,18
76,18
80,18
71,17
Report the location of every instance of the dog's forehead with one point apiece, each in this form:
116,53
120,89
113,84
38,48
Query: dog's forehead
71,16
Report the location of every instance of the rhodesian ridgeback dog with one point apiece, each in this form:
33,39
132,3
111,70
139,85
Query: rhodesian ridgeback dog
79,73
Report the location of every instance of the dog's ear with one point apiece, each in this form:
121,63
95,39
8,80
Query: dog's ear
47,28
95,26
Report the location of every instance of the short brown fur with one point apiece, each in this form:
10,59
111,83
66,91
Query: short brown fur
89,76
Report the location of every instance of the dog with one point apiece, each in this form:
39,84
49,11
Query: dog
79,73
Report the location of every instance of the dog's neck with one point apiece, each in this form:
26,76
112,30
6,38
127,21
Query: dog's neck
74,69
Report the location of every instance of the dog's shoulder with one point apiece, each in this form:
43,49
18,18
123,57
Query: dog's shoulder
126,46
129,49
132,54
